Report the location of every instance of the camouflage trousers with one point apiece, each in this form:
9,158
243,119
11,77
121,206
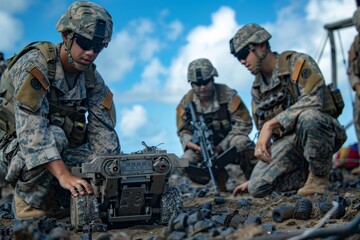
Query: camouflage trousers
245,157
310,148
34,185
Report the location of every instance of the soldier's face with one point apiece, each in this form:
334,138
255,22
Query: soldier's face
204,90
250,62
82,56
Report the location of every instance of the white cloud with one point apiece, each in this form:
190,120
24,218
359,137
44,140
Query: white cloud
11,31
203,41
329,11
131,120
175,28
116,60
149,87
136,43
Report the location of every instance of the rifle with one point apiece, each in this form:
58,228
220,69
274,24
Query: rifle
201,135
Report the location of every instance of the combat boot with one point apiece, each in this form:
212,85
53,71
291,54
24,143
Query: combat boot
314,185
23,211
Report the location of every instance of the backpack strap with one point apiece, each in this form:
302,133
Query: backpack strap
48,50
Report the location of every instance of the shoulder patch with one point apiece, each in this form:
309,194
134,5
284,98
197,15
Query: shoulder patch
296,71
30,93
40,77
180,110
235,103
108,100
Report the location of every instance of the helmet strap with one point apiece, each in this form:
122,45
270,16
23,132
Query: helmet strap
260,58
68,45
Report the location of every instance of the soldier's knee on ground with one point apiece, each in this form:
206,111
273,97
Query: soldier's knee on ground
259,189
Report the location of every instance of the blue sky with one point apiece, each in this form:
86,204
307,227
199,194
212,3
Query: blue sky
154,40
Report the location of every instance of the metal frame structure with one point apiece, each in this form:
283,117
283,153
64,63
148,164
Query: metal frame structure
331,27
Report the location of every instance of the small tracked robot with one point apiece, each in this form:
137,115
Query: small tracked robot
128,187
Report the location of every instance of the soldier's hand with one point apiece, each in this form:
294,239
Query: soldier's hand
218,149
67,180
242,188
263,144
262,149
193,146
75,185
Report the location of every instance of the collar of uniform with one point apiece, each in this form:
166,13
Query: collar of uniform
76,93
270,83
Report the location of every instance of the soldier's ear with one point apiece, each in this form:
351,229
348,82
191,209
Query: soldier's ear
65,35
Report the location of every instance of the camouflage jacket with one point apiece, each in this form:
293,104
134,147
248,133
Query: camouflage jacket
36,140
354,62
233,120
309,84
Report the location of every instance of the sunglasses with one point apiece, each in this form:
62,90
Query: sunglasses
243,53
87,44
202,83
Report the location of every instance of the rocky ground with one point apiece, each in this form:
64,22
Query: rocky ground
206,216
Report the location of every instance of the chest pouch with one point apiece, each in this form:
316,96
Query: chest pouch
72,121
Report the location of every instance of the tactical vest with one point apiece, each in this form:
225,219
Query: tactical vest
220,121
70,119
288,92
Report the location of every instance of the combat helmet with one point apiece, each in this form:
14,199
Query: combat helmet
248,34
201,70
88,20
356,18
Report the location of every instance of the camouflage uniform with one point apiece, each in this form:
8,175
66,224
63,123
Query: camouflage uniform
229,120
307,138
354,74
38,140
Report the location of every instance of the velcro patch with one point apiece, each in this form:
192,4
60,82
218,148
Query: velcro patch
180,110
306,73
30,93
108,100
309,79
235,103
296,71
40,77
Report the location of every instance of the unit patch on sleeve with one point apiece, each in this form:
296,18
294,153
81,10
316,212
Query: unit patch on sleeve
108,100
40,77
32,89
